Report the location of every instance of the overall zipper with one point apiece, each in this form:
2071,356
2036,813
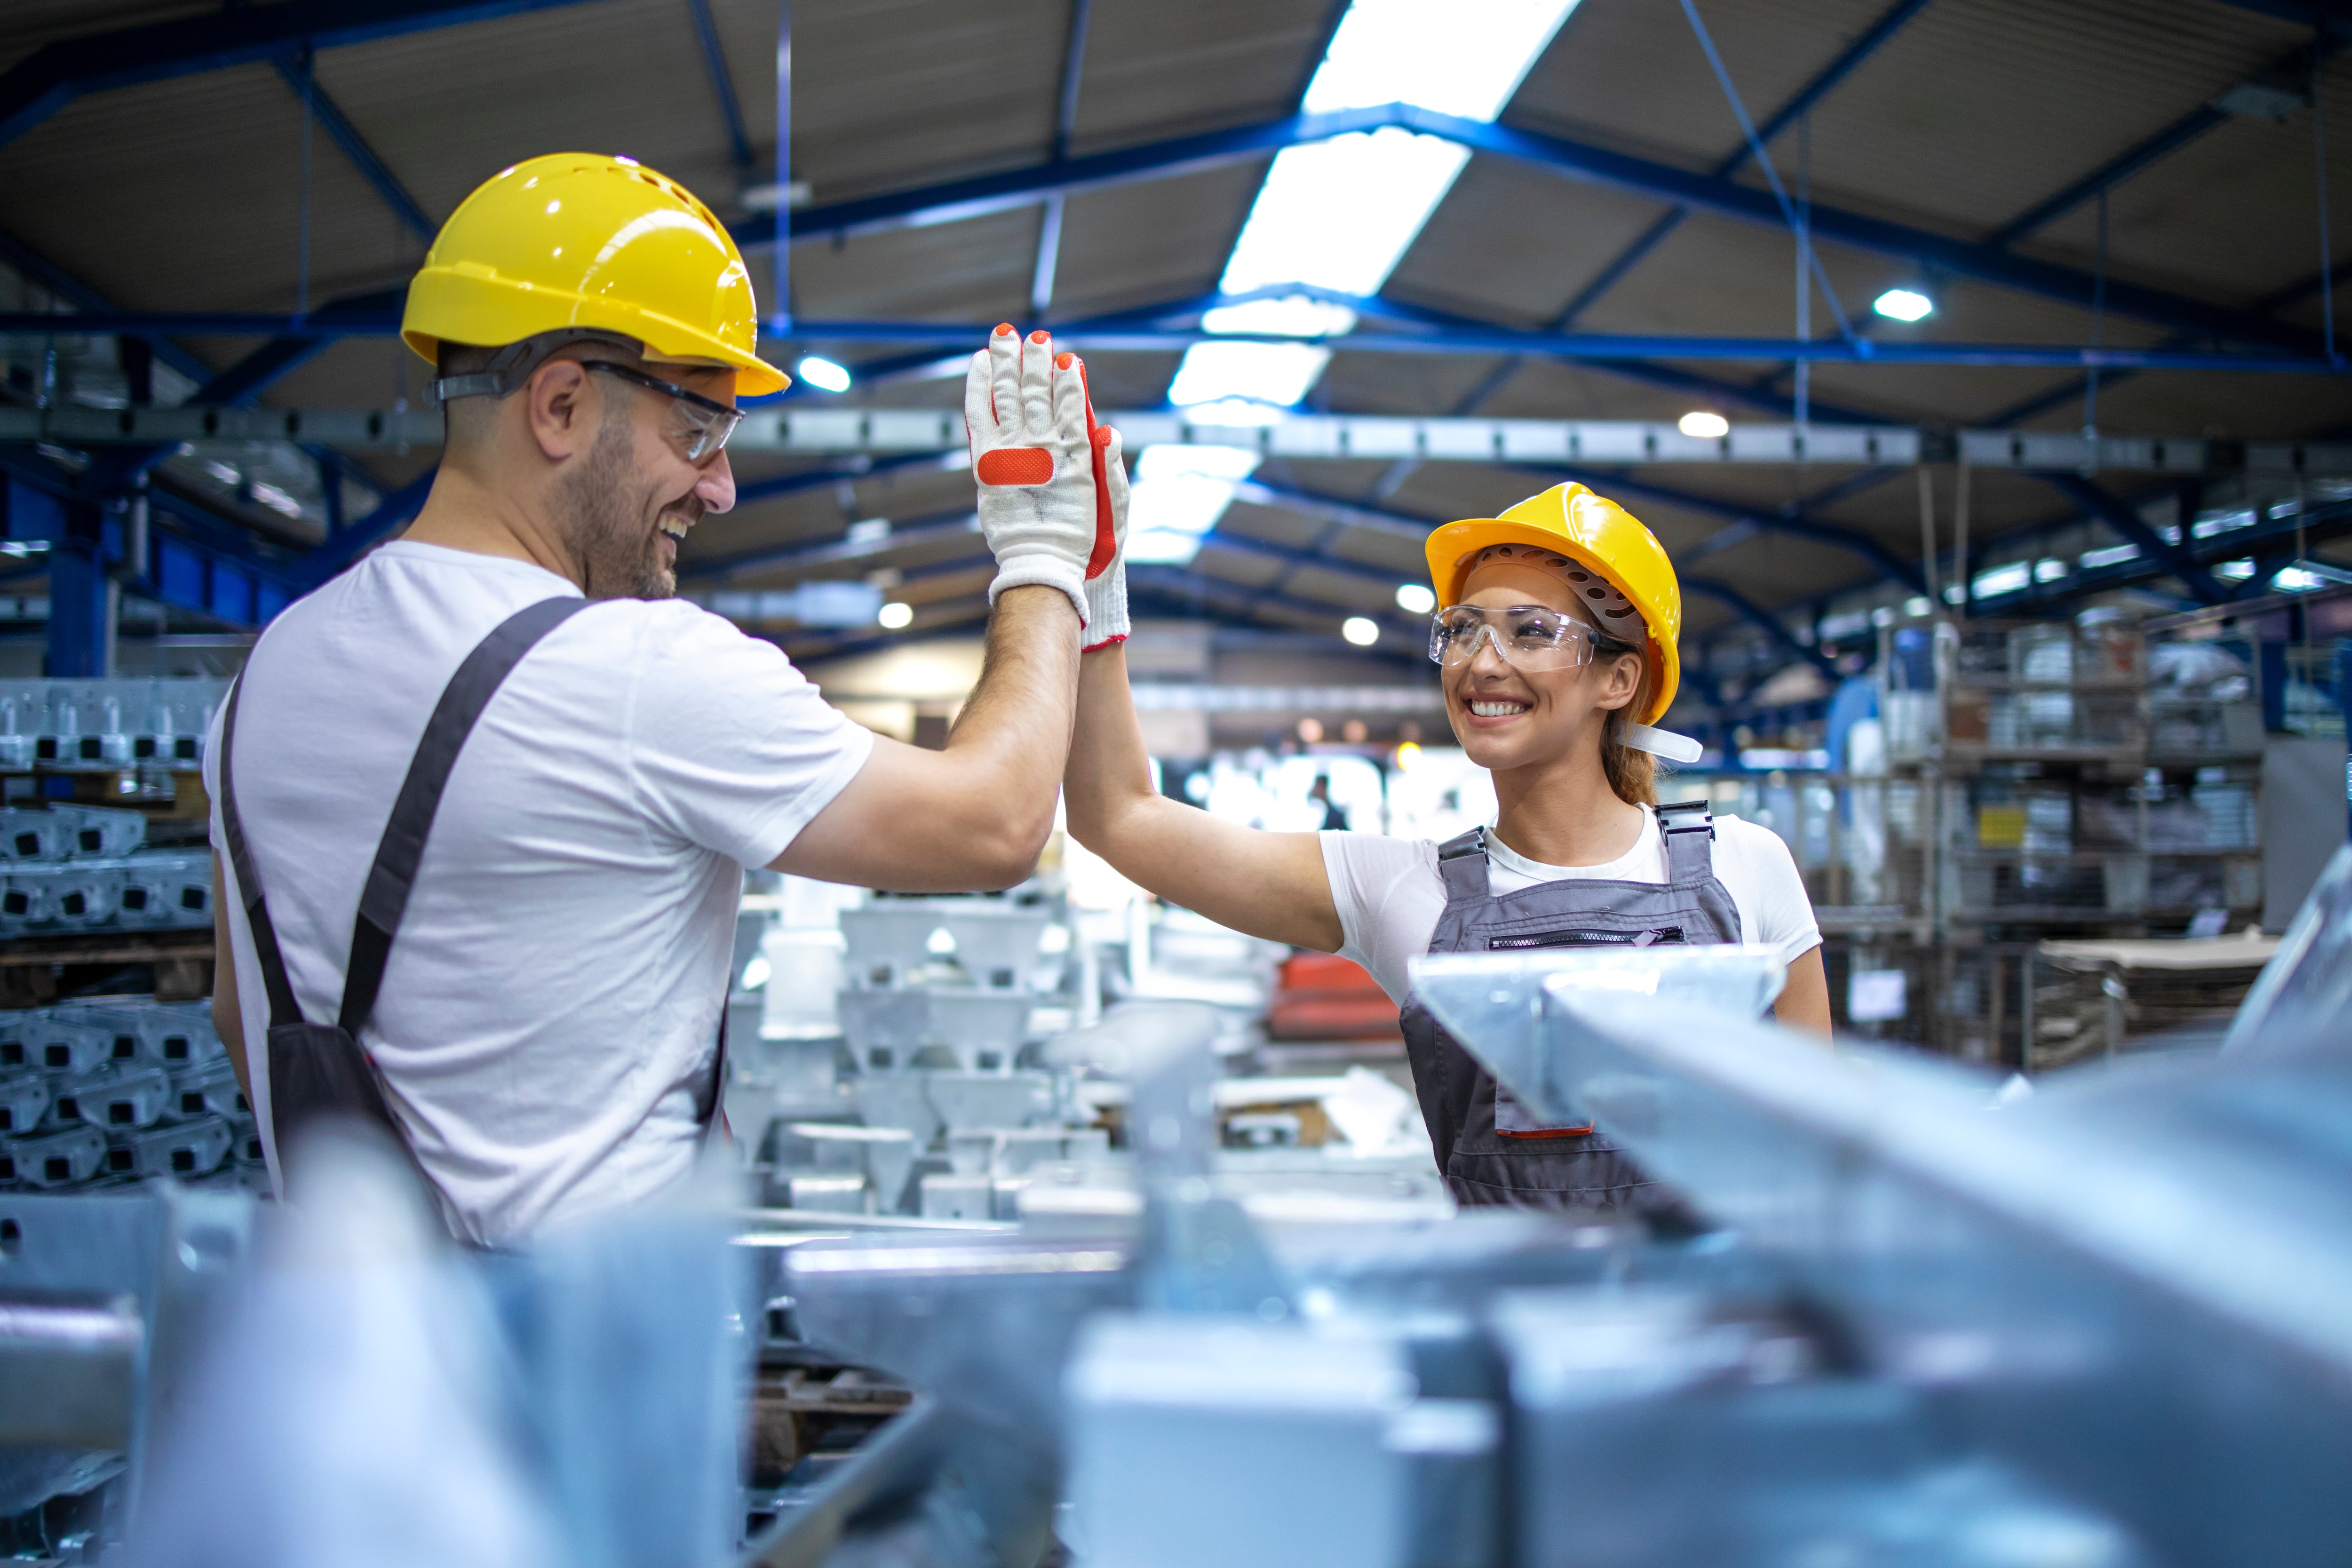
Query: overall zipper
1650,938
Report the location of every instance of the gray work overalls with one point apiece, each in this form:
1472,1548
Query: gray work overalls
320,1070
1490,1147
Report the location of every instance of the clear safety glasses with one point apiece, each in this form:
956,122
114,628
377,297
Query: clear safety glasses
699,425
1526,635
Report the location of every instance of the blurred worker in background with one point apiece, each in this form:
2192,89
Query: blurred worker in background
1556,634
544,1036
1319,792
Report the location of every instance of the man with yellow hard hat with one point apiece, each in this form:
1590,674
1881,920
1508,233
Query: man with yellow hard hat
501,738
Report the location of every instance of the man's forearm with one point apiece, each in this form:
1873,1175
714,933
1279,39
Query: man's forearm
1014,729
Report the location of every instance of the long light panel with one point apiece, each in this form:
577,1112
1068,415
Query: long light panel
1339,214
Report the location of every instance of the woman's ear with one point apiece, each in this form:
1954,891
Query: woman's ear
1621,682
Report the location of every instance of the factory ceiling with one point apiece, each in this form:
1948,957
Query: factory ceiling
2132,174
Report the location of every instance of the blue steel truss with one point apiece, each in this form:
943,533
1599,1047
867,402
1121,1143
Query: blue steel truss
1703,191
1433,339
55,74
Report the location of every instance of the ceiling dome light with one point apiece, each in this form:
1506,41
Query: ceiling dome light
1704,425
1416,600
1361,630
1904,305
824,374
896,615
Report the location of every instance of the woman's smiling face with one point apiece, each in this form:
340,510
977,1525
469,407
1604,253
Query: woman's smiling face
1507,717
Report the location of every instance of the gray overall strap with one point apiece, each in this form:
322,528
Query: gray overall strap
1688,828
1462,862
319,1068
385,897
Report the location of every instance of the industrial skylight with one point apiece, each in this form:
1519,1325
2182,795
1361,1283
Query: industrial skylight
1180,493
1338,215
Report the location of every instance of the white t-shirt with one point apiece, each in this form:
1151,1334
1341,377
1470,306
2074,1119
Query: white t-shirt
1390,892
549,1012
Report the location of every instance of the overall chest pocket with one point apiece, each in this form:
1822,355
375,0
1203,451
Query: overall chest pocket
1575,937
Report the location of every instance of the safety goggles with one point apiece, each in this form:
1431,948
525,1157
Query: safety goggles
1527,636
699,424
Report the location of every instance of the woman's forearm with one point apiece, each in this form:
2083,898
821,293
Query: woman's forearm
1268,884
1109,771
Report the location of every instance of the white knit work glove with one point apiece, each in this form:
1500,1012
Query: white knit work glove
1106,567
1025,417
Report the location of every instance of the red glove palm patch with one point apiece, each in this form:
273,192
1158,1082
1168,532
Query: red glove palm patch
1016,466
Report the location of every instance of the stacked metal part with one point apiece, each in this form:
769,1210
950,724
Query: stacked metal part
65,868
1926,1324
107,723
951,1118
102,1095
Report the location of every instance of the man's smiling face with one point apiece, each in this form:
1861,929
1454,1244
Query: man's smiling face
631,501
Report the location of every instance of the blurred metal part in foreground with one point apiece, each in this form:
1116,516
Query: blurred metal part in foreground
2101,1329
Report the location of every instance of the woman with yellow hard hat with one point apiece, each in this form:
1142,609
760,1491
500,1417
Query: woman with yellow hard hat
1555,632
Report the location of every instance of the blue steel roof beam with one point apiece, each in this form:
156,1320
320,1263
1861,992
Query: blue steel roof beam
1559,156
982,194
239,384
1748,610
2332,519
55,74
838,550
1415,531
2125,520
820,479
1573,346
2327,16
393,512
346,135
722,87
1965,259
2154,149
1065,120
86,300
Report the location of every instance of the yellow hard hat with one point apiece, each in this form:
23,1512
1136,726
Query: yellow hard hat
1597,534
577,240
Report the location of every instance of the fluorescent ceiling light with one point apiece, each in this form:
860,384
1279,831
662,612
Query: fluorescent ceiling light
1278,373
1292,316
824,374
1704,425
1361,630
1234,413
1465,59
1416,600
1339,214
1180,493
1904,305
896,615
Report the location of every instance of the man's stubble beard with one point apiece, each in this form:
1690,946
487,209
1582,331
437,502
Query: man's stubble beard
619,552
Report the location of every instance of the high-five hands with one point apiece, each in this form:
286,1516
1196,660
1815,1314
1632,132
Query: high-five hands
1053,486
